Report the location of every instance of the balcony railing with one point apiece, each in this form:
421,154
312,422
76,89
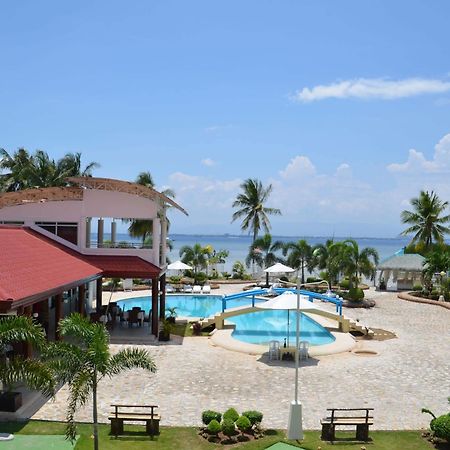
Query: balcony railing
122,244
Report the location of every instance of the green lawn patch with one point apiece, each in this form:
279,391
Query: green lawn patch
187,438
37,442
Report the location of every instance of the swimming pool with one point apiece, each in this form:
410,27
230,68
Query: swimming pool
255,328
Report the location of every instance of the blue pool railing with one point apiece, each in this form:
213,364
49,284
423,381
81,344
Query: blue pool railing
312,295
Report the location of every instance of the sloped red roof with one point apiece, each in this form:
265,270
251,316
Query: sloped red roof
123,266
31,267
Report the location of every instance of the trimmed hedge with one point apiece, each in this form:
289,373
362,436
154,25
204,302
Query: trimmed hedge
209,415
214,427
231,414
441,427
243,424
228,427
253,416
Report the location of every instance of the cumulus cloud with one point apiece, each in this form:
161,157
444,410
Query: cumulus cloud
372,88
417,162
208,162
298,167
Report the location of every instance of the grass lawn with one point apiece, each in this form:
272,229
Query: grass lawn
180,438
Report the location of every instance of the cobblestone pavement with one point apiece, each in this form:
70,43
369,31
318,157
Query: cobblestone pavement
410,372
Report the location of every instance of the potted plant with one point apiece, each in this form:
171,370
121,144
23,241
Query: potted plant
172,315
167,328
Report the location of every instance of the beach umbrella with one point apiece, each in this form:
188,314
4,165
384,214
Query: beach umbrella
288,301
178,265
277,268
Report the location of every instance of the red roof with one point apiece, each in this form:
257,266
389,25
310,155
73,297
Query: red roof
32,268
123,266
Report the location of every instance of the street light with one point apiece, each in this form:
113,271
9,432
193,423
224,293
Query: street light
295,424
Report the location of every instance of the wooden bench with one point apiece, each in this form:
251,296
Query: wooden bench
118,417
347,417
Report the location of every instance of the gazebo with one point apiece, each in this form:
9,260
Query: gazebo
401,272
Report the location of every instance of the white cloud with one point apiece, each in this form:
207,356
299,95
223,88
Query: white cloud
208,162
298,167
417,162
216,129
372,88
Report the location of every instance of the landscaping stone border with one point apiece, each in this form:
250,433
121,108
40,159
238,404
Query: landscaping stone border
411,298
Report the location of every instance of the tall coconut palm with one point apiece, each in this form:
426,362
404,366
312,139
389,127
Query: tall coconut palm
251,203
15,170
31,371
357,263
299,255
196,256
142,228
426,220
263,253
84,360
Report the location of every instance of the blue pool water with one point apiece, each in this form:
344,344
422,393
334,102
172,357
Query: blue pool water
255,328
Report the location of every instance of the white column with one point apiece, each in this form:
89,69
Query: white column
100,227
163,240
113,232
88,232
156,240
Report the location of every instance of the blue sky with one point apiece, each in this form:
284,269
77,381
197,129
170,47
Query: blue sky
343,106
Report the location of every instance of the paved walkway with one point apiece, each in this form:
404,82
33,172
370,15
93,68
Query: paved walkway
409,373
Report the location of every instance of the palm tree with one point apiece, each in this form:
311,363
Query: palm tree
300,255
357,263
33,372
85,361
426,220
262,252
23,170
142,228
328,257
196,256
251,207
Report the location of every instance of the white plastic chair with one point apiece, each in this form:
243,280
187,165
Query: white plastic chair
187,289
274,350
303,347
169,289
206,289
127,284
197,289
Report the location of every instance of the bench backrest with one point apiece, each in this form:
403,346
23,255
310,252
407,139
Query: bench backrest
345,413
152,407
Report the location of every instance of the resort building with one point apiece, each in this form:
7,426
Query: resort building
54,251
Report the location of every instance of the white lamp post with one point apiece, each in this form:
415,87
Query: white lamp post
295,424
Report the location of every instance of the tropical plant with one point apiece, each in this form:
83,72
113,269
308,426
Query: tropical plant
84,360
440,426
262,252
172,314
328,258
14,369
357,263
195,256
426,222
251,207
142,228
238,270
21,170
299,255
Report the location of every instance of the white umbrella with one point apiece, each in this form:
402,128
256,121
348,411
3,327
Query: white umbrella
178,265
277,268
288,301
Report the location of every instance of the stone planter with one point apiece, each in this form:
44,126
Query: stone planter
10,401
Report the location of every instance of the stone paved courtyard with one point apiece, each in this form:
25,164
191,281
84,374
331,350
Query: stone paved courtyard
410,372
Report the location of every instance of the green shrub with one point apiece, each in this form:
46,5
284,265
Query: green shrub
417,287
231,414
226,275
228,427
434,294
355,294
213,427
441,427
312,279
345,284
200,278
209,415
243,424
253,416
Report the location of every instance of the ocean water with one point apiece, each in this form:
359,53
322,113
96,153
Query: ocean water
238,245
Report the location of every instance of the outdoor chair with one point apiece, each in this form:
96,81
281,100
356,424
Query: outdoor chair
206,289
274,350
133,317
197,289
169,289
127,284
187,289
303,350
